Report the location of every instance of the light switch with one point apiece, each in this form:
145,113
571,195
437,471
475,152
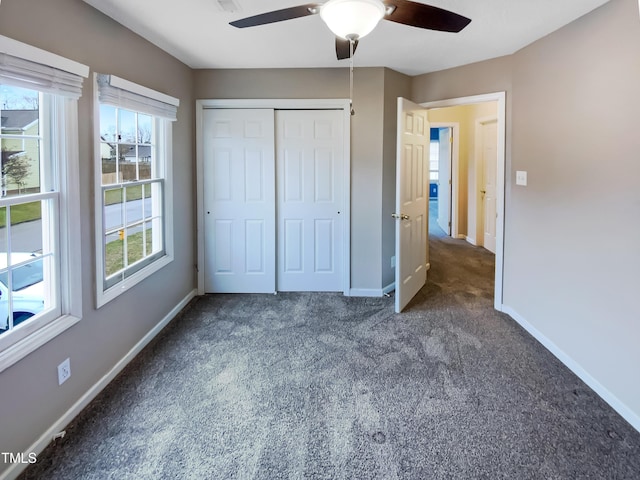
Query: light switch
521,178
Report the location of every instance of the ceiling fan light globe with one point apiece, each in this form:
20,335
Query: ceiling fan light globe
352,19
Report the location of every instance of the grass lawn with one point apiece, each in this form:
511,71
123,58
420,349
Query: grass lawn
21,213
114,255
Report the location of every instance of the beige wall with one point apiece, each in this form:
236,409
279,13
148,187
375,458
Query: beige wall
30,397
572,251
571,236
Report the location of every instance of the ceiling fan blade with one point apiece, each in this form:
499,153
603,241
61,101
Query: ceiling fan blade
277,15
342,48
425,16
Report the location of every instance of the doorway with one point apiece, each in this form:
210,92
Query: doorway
442,149
467,190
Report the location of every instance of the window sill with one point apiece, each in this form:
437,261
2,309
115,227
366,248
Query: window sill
104,297
27,345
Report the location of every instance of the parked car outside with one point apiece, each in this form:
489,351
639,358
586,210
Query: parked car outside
27,286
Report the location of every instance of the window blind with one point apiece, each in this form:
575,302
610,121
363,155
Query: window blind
20,72
121,93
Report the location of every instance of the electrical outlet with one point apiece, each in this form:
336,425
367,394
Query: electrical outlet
64,371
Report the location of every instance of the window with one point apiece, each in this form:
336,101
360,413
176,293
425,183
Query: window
434,160
133,184
39,284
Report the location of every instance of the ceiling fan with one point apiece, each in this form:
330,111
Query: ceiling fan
350,20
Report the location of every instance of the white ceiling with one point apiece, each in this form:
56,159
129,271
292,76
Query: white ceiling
198,33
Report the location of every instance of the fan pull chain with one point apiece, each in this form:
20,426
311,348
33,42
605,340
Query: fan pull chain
351,42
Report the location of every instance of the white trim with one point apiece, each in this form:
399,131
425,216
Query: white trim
37,55
500,97
276,104
627,413
470,240
70,231
123,84
368,292
47,437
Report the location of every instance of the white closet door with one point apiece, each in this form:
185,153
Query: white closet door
310,187
239,203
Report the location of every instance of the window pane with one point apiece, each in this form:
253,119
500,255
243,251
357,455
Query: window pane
135,244
113,209
144,129
126,126
26,228
114,253
20,166
108,131
26,277
110,173
127,162
144,162
20,110
114,230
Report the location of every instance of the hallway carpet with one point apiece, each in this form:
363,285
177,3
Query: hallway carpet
322,386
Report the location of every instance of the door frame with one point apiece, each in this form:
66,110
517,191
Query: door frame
276,104
455,152
500,97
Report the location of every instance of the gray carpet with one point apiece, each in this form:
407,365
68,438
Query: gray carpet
321,386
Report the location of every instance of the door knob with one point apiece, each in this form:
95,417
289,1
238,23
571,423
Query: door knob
401,216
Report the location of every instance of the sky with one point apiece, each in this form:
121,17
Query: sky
16,98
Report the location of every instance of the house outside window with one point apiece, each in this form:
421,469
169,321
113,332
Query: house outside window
40,285
134,218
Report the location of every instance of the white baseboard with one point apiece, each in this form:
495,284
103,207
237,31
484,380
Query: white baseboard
364,292
470,240
627,413
16,469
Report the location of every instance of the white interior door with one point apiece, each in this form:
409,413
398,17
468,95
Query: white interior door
489,162
239,200
412,193
444,179
310,150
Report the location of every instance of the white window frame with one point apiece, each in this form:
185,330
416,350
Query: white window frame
62,121
164,157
